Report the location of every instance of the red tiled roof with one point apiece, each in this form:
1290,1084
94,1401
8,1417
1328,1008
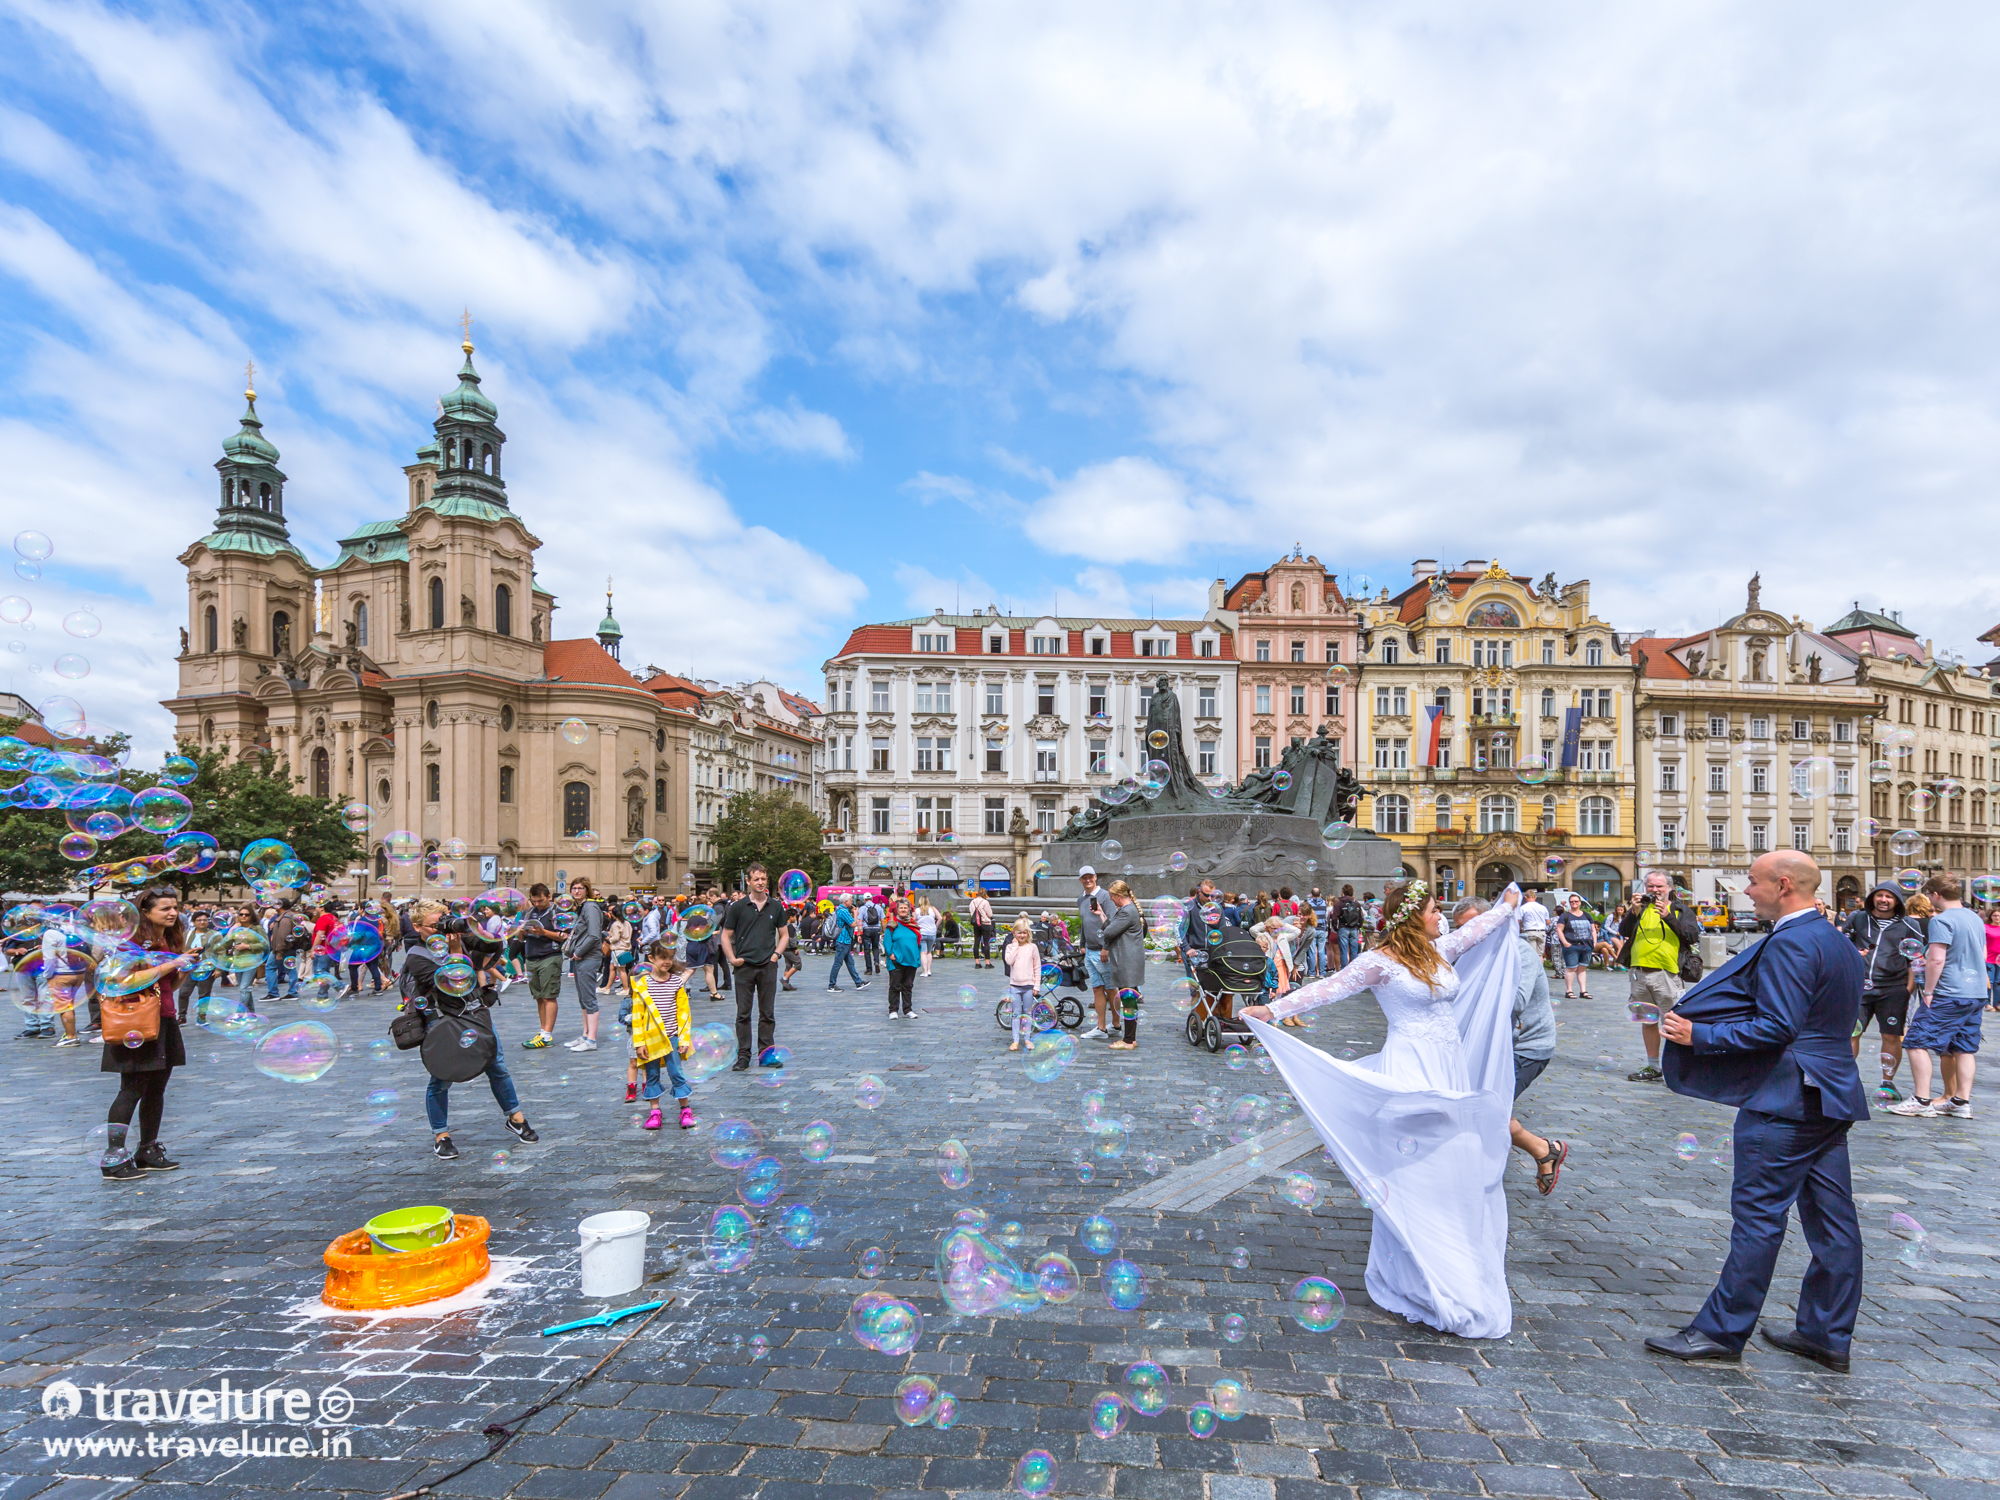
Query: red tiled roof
584,661
894,640
1410,603
1252,587
1658,662
800,705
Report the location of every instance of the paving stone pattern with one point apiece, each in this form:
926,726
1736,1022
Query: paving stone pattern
188,1279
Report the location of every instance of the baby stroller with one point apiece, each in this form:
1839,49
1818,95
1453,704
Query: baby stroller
1062,967
1233,966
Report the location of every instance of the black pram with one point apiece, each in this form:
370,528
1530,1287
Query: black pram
1232,967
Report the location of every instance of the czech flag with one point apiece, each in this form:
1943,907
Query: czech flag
1433,733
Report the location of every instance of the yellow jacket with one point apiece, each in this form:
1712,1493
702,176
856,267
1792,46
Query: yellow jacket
651,1036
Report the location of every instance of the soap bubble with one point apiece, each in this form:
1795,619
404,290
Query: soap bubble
237,950
968,996
1234,1327
178,770
798,1226
1056,1277
872,1261
697,922
1317,1305
734,1144
1177,861
795,885
869,1091
354,942
585,842
816,1141
1199,1115
70,665
1124,1285
1687,1145
104,1145
65,718
1108,1141
453,848
1011,1234
714,1050
1248,1115
646,852
1986,889
1881,772
944,1416
1201,1420
1905,843
1337,834
1240,1258
161,809
456,977
1922,800
916,1399
382,1105
223,1014
33,546
954,1164
1300,1188
762,1181
574,730
77,847
298,1053
1916,1251
977,1278
261,856
1406,1145
1040,869
1910,947
1911,880
1643,1011
294,874
1111,849
1533,770
1099,1235
1107,1414
1235,1056
760,1346
1035,1472
884,1324
1372,1191
731,1240
1146,1387
1282,780
14,609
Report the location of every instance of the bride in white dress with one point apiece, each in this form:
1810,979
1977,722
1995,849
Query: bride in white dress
1420,1128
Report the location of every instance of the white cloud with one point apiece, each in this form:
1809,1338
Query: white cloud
1129,510
1090,593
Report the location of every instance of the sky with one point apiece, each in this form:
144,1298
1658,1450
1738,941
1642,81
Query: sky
800,315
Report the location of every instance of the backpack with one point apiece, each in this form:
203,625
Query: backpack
1350,913
871,916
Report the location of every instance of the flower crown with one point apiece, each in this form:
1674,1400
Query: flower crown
1412,905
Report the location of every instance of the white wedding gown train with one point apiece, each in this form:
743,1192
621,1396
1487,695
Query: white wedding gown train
1420,1128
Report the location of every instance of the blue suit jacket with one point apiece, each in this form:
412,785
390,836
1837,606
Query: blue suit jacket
1774,1015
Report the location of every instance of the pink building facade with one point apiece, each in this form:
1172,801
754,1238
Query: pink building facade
1295,648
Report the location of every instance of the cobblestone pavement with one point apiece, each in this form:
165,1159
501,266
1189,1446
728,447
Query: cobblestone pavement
189,1279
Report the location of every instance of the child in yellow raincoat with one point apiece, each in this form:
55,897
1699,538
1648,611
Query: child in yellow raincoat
654,1037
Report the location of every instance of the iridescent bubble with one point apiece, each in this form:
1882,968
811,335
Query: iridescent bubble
1108,1141
1107,1414
294,873
1146,1387
237,950
104,1145
884,1324
1337,834
977,1278
1056,1277
354,942
798,1226
1317,1305
1111,849
731,1240
1150,1164
1124,1285
944,1416
71,665
78,847
1922,800
1910,947
14,609
356,817
456,977
869,1091
298,1053
1533,770
735,1144
1202,1420
26,570
760,1345
34,546
574,730
1234,1327
585,842
1098,1234
1235,1057
382,1105
1035,1472
453,848
261,856
1300,1188
646,852
968,996
1281,780
1086,1172
1249,1114
1911,880
816,1141
872,1261
1177,861
762,1182
697,922
1916,1250
916,1398
954,1164
714,1051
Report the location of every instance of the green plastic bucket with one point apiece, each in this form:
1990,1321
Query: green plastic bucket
404,1229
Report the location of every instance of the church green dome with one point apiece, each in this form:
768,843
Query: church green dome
468,403
248,445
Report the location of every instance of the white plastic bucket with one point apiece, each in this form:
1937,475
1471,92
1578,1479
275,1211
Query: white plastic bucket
614,1252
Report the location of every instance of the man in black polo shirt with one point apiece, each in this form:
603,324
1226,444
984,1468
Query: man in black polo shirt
753,934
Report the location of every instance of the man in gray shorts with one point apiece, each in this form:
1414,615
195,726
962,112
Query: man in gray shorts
542,951
1094,907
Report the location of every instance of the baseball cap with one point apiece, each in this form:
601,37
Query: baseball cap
1086,870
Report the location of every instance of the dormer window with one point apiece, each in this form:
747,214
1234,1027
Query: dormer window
996,643
1154,645
933,641
1098,645
1045,645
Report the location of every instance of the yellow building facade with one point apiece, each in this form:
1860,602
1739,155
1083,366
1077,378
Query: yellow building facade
1516,670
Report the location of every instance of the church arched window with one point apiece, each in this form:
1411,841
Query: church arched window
322,774
437,603
208,629
451,453
361,623
576,808
503,609
486,458
263,497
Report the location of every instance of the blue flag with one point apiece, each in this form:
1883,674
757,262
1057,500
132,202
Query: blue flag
1572,727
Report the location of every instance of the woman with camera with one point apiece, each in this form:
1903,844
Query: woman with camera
448,1026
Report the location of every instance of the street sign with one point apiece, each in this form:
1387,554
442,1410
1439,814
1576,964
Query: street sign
489,870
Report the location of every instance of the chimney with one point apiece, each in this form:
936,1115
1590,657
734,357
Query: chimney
1423,568
1473,565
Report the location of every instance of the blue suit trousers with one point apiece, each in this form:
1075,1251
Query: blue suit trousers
1780,1162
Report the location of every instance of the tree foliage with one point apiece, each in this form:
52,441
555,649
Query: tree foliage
774,829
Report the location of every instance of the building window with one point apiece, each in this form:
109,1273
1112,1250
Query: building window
503,609
1670,837
847,695
1843,730
993,750
1441,651
1207,646
507,783
878,695
1099,646
208,631
934,697
1392,652
1718,837
1204,763
1153,646
1262,757
1497,814
1442,817
1801,729
1100,757
1843,838
996,700
576,808
1548,703
381,862
1670,776
1802,837
1204,703
996,816
659,794
1046,645
1593,653
322,774
925,753
1263,697
1333,651
1760,838
1596,817
1392,755
1548,812
1604,703
996,644
1670,724
1045,760
382,792
846,752
1263,651
281,634
1099,695
433,782
878,753
431,713
1718,726
1392,813
1760,729
1760,777
1548,652
1718,776
436,591
878,815
1333,702
1045,815
1045,699
1298,698
1298,650
934,642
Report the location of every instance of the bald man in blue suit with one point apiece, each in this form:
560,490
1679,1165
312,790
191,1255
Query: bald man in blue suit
1769,1033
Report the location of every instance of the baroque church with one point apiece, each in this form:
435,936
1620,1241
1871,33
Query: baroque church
418,672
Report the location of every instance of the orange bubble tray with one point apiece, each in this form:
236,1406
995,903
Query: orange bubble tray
358,1277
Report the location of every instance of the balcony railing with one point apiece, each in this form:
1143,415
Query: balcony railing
1495,721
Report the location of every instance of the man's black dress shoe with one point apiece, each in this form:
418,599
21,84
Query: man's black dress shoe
1687,1344
1799,1344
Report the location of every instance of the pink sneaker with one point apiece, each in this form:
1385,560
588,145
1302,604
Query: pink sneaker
687,1115
652,1120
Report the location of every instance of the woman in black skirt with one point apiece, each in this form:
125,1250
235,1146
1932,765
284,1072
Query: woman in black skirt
143,1070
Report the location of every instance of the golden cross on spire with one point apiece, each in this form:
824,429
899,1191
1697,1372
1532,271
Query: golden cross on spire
250,380
465,327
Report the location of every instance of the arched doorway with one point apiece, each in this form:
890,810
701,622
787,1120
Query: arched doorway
936,878
1846,893
1493,878
996,879
1599,885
